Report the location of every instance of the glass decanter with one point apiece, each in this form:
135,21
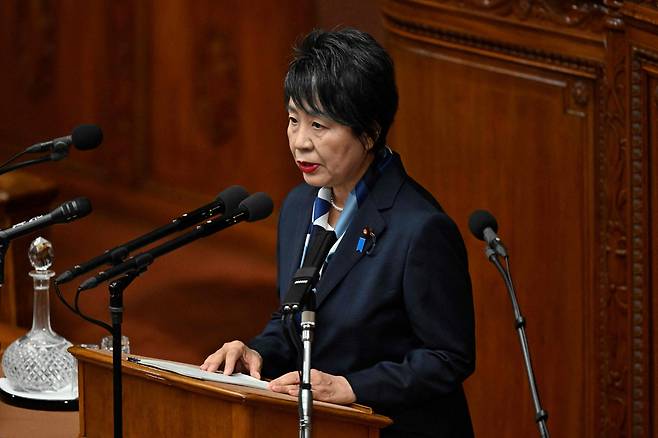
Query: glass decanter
39,361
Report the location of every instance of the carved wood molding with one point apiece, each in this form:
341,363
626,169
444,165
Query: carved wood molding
576,14
511,51
577,96
613,332
624,312
651,3
640,243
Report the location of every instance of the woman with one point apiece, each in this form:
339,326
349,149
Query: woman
394,316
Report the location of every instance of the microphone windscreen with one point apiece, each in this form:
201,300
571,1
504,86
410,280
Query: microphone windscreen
86,137
257,206
231,197
481,220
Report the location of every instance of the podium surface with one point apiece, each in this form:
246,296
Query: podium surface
163,404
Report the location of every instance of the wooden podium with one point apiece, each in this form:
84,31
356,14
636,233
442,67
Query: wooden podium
163,404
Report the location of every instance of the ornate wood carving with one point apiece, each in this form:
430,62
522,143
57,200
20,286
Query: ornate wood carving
578,14
616,240
624,312
640,99
516,51
613,17
652,3
578,94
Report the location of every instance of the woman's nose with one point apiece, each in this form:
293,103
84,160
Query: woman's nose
301,139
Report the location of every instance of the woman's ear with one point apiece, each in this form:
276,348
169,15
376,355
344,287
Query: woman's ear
367,142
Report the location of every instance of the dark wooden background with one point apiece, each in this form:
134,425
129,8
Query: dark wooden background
543,112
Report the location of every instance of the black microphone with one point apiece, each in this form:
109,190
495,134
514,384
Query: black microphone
67,212
255,207
83,137
484,227
225,202
307,277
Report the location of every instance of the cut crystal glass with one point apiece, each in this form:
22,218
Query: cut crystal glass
39,361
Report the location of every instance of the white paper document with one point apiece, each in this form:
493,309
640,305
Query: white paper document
194,371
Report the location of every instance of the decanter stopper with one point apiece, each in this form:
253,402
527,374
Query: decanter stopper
39,361
41,254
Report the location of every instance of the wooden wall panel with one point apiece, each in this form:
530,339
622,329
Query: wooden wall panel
544,113
189,96
486,134
74,65
217,98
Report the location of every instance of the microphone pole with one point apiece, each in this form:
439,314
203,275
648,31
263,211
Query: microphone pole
301,295
483,225
305,389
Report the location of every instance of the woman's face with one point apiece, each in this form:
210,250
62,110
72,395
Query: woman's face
327,153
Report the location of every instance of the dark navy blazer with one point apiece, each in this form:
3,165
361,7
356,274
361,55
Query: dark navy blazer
398,322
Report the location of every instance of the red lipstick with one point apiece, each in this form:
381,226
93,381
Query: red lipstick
307,167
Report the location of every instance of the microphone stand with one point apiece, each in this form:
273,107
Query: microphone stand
305,390
541,416
130,270
301,294
116,289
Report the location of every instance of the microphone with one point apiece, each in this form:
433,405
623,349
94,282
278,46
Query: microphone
484,227
255,207
83,137
226,201
307,277
67,212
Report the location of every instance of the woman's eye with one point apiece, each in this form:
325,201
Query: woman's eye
292,120
316,125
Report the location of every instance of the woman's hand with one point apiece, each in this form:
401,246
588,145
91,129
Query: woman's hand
235,356
326,387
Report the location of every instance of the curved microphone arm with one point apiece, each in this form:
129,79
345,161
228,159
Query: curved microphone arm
52,157
541,416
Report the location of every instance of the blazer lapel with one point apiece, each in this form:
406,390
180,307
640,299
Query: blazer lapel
346,254
369,215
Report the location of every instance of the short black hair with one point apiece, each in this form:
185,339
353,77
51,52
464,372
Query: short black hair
347,76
